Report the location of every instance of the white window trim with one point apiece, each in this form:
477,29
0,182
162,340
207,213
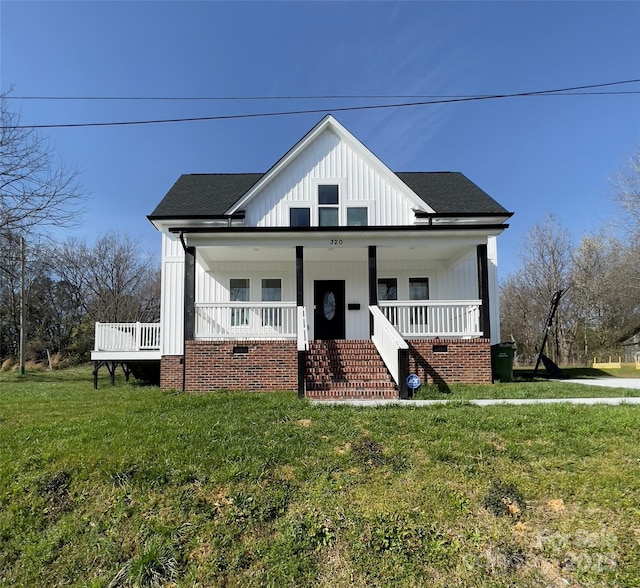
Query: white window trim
342,197
344,202
262,278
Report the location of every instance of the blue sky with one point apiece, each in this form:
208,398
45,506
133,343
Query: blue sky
534,155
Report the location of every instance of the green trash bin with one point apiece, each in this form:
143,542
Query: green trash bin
502,361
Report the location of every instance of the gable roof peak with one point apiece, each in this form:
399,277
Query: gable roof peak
331,123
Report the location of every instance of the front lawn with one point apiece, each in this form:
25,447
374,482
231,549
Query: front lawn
129,486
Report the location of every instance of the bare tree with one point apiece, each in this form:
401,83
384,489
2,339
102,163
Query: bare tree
37,190
117,281
627,192
602,293
545,260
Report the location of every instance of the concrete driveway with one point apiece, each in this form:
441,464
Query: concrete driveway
633,383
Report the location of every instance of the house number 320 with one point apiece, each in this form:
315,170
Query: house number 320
335,242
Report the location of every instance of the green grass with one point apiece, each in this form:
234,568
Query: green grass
129,486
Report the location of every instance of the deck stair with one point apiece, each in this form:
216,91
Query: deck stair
347,369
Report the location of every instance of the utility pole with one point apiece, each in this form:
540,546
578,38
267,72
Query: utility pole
22,310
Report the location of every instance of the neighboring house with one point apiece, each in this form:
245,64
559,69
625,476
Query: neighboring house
328,274
631,345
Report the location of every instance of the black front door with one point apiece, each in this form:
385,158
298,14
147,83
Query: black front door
328,300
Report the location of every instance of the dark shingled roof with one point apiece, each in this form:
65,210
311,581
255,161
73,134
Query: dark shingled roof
198,195
451,192
203,195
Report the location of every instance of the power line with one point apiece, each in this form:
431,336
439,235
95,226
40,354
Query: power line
277,98
559,92
556,92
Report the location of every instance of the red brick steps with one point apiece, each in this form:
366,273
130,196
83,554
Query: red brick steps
346,369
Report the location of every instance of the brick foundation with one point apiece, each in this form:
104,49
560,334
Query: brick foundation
272,365
464,361
171,372
266,365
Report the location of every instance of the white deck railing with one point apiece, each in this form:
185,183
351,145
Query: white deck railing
388,342
246,320
434,318
283,320
127,337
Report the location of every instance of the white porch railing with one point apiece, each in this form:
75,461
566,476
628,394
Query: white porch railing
388,342
127,337
434,318
246,320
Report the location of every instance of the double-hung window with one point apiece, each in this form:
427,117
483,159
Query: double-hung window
387,289
419,290
239,289
272,292
328,205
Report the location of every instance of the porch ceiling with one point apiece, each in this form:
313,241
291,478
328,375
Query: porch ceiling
432,250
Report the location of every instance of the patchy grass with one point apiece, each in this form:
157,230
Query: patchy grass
129,486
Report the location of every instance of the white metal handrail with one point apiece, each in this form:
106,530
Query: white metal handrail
246,320
127,336
388,341
434,318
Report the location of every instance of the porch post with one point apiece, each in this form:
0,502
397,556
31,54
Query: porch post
483,290
189,294
299,277
373,283
302,355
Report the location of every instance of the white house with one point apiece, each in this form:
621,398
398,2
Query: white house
329,274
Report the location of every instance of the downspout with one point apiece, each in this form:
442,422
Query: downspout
184,336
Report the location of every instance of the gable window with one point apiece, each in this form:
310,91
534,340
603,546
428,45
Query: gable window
299,217
239,292
328,194
271,292
327,217
357,216
328,200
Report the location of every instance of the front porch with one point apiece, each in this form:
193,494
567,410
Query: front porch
236,321
241,311
264,346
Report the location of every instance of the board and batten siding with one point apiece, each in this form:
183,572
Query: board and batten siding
329,159
172,306
494,291
213,286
